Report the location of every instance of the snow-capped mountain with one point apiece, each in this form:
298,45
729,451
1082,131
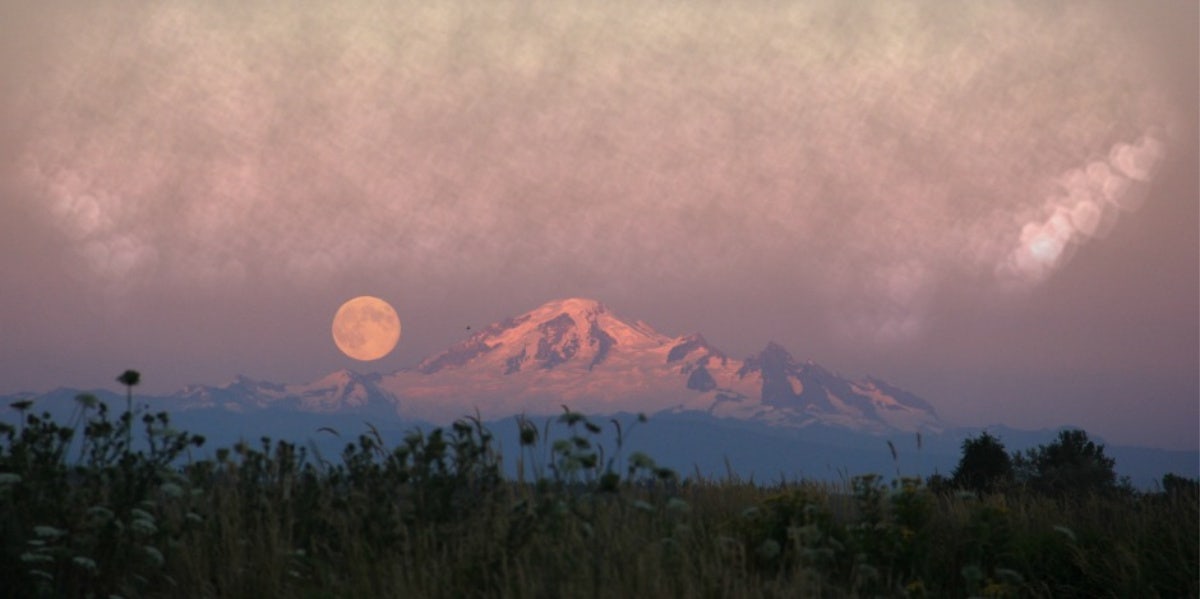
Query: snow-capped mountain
339,391
772,386
573,351
769,413
576,352
575,332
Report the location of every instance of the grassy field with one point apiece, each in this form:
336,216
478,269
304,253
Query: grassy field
89,508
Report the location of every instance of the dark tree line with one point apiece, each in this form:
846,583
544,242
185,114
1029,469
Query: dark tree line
985,466
1070,465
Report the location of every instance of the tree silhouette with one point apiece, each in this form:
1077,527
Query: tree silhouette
1072,464
1174,484
985,466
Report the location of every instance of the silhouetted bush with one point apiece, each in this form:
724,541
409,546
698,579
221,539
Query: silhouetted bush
1180,486
1071,465
985,466
83,513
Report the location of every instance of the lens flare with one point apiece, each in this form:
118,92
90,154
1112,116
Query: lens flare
1085,209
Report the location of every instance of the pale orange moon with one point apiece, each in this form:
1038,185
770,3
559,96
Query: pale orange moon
366,328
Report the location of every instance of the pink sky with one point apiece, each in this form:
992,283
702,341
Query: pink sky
994,207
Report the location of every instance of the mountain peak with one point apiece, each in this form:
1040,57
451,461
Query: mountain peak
572,330
689,343
575,350
569,305
341,376
580,302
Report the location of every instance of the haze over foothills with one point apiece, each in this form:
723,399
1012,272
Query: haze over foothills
995,207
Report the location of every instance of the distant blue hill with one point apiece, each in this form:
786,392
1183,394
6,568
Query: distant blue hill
692,443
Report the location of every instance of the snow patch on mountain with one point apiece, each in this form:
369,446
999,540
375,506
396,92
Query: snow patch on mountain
341,390
775,388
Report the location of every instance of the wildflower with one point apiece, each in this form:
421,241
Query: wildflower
609,482
996,589
156,556
144,527
769,549
972,573
33,557
1070,534
915,588
676,504
171,490
48,532
100,513
868,572
86,563
529,434
640,460
1009,576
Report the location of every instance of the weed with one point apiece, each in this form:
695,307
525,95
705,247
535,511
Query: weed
91,508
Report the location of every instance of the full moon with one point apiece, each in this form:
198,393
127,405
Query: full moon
366,328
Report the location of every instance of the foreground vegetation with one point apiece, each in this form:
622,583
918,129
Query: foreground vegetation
89,509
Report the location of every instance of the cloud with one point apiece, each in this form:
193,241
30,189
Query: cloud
116,258
206,144
885,305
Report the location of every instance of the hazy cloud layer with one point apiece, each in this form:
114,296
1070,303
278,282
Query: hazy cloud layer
991,204
879,148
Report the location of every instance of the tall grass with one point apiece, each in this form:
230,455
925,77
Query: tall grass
85,513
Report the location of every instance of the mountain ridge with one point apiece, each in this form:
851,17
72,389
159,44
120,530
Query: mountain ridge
575,351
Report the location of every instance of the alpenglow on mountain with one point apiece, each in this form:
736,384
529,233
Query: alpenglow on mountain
575,352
